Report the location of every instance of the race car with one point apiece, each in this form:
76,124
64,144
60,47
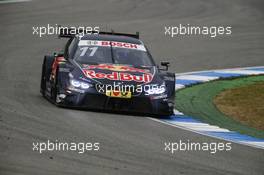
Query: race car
108,71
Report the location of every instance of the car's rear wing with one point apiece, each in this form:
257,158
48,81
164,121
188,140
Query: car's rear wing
65,32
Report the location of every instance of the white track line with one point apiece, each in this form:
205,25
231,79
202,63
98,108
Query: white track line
244,72
196,77
179,86
216,70
200,126
176,112
12,1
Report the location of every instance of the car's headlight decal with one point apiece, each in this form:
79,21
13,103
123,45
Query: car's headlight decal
79,84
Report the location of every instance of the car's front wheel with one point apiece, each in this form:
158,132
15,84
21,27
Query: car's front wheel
45,73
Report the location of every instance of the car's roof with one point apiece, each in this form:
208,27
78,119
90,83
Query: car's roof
107,37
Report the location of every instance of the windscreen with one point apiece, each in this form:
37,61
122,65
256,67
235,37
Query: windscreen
96,52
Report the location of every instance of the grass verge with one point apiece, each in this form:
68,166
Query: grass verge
197,101
244,104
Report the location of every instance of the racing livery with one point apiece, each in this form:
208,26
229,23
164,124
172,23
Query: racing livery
108,71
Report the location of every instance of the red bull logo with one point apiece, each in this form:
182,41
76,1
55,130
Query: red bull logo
118,76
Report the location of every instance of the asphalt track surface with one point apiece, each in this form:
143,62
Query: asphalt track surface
128,144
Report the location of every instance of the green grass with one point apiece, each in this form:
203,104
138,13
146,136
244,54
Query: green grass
197,101
243,104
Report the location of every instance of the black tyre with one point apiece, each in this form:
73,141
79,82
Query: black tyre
46,71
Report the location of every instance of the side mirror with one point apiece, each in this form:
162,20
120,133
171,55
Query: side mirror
165,64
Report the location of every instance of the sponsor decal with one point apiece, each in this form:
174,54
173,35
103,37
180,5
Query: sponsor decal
119,44
169,78
118,94
60,59
112,43
118,76
64,69
57,61
117,68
